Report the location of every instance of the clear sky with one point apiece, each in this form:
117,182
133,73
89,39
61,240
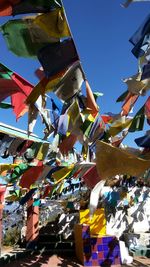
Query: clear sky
101,30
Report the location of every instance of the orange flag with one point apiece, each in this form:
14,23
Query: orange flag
91,103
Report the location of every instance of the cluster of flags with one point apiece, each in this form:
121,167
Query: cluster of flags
46,36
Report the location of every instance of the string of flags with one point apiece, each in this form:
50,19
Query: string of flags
43,34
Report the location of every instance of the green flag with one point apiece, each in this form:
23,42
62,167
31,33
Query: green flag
138,121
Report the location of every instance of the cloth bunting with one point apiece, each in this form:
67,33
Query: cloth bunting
138,37
91,177
128,2
44,173
122,97
67,144
39,73
57,56
18,171
143,141
47,189
31,175
45,85
63,173
91,105
111,161
24,32
96,129
54,23
70,83
94,197
5,142
12,150
11,84
146,72
5,105
16,7
75,118
27,196
6,167
138,121
63,124
106,118
119,125
147,110
136,86
130,100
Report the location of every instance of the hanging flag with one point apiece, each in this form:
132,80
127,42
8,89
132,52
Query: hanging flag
146,72
11,84
70,83
122,97
63,173
138,121
57,56
54,23
27,196
130,100
63,124
5,105
45,85
143,141
111,161
91,105
24,32
91,177
67,144
31,175
17,7
119,125
18,171
147,110
136,85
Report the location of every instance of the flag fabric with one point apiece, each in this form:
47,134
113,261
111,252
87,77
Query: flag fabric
143,141
136,85
91,177
31,175
111,161
18,99
122,97
91,105
70,83
17,7
45,85
56,57
12,84
54,23
128,2
138,121
146,72
130,100
147,110
20,31
67,144
119,125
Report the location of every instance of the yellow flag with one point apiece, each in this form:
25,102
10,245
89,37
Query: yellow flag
54,23
111,161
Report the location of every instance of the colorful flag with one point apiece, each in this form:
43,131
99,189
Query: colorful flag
11,84
111,161
138,121
16,7
25,33
91,105
54,23
56,57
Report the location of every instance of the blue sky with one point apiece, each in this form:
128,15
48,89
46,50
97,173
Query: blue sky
101,30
